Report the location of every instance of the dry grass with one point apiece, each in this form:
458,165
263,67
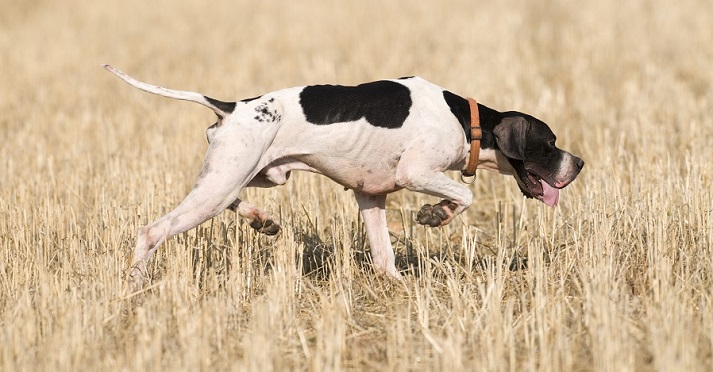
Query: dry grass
618,278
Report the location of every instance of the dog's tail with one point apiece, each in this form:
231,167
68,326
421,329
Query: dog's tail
219,107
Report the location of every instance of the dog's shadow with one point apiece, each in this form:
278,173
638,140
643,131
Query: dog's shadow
321,251
319,255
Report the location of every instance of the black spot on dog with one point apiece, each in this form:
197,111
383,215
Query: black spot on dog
226,107
265,113
406,77
383,104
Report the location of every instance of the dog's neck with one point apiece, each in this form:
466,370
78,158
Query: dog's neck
489,118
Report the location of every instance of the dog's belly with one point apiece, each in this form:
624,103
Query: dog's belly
372,176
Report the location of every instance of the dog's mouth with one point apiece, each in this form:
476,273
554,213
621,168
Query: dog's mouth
534,186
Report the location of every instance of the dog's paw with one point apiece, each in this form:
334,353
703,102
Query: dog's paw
267,227
436,215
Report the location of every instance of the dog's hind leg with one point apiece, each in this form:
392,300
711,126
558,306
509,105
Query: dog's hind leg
216,189
273,175
258,219
372,208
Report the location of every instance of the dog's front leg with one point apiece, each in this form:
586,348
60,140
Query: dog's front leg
373,211
456,197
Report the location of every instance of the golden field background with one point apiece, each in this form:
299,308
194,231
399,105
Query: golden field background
617,278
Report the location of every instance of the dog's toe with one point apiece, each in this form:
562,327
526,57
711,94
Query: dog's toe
439,212
270,228
430,215
267,227
436,215
435,221
424,220
426,209
424,215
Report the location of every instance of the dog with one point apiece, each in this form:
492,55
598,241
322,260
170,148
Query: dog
374,138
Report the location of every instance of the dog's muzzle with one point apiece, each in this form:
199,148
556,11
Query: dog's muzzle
545,186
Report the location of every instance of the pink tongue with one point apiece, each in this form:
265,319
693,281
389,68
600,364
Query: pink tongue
550,195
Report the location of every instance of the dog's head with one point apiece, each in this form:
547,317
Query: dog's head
540,168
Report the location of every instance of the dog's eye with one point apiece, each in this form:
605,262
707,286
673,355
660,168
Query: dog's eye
549,148
546,150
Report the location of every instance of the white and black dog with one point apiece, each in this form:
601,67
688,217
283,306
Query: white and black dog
374,138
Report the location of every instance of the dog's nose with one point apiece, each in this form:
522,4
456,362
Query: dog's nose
580,163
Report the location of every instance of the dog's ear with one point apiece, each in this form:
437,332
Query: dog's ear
511,136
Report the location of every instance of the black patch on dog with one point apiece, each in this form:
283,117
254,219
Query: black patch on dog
460,109
488,118
512,136
226,107
406,77
383,104
523,137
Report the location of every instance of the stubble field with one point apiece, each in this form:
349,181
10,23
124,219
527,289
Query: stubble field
617,278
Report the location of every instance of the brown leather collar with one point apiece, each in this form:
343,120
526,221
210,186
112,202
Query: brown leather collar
476,134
